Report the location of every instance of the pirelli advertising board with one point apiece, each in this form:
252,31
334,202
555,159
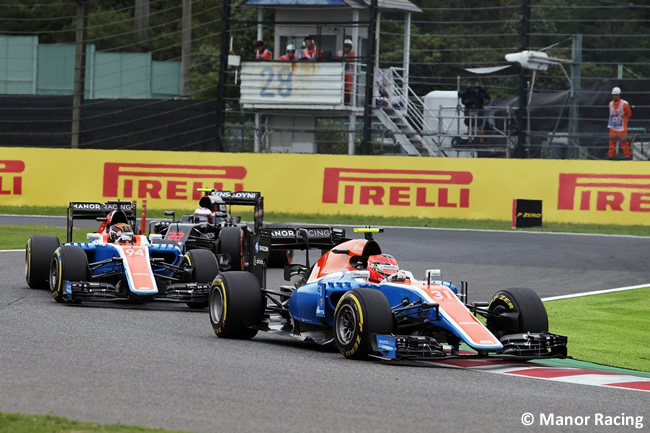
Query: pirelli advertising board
601,192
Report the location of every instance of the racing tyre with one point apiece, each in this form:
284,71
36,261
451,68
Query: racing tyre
38,255
519,310
359,314
235,305
69,263
231,242
204,267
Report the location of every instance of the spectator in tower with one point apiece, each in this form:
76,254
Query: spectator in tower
474,98
311,51
348,55
619,114
291,54
262,53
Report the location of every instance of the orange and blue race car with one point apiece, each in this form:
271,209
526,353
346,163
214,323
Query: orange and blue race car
357,297
116,263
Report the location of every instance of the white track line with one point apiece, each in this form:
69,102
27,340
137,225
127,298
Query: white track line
597,292
32,216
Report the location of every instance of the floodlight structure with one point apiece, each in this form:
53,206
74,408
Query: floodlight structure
541,61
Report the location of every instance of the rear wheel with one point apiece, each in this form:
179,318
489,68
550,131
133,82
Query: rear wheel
38,255
69,263
359,314
235,305
231,242
519,310
204,267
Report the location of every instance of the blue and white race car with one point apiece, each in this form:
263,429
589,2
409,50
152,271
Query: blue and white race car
116,263
357,297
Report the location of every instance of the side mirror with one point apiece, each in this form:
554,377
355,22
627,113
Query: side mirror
433,273
360,274
93,236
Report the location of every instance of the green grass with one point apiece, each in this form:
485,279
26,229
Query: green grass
15,237
609,329
357,220
24,423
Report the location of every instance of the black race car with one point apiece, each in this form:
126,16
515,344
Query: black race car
213,227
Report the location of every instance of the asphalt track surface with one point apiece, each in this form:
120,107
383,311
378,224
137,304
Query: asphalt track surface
160,365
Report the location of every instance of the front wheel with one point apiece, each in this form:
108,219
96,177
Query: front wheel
235,304
203,267
516,310
359,314
69,263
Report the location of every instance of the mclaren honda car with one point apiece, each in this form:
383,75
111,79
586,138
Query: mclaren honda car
116,263
357,297
213,227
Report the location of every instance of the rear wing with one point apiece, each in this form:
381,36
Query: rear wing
300,238
95,211
239,198
291,238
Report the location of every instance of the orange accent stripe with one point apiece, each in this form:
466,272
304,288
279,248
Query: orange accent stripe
455,309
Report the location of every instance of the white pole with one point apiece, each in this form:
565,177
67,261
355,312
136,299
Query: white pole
530,99
357,49
186,47
352,133
258,121
256,140
407,57
378,39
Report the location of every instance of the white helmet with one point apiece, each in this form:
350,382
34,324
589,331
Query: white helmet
347,42
616,91
291,47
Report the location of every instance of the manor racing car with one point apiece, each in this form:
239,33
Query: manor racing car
116,263
358,297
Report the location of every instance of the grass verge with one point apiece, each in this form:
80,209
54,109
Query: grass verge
357,220
609,329
25,423
15,237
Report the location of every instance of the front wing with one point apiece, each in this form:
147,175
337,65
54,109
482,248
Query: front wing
522,346
101,291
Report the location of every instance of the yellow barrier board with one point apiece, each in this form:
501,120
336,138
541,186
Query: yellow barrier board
596,192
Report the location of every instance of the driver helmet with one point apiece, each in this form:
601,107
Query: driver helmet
120,232
381,266
203,215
